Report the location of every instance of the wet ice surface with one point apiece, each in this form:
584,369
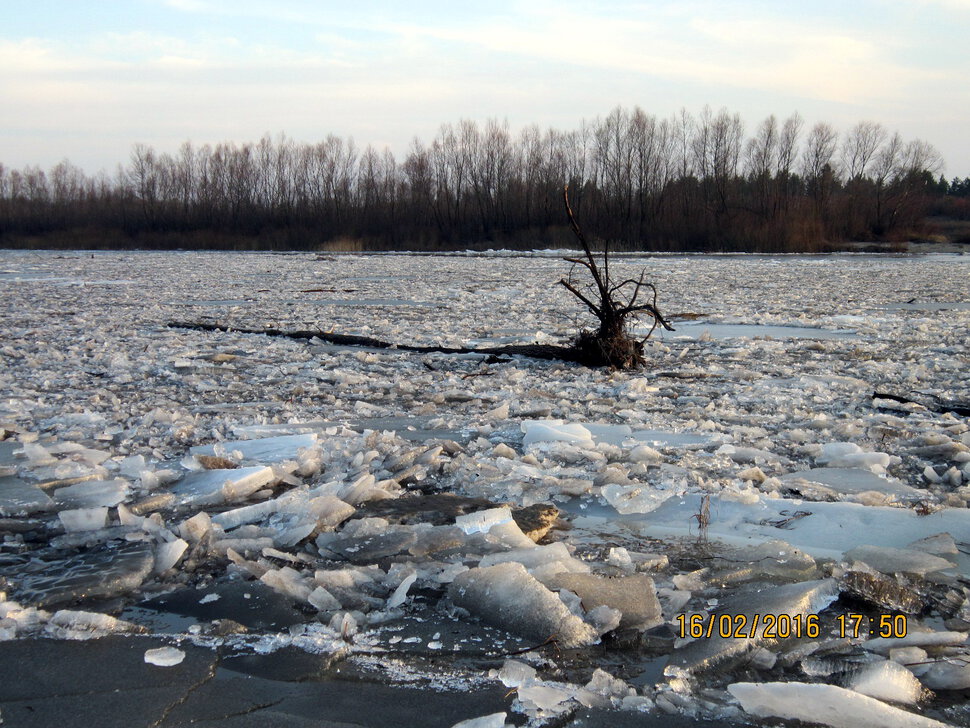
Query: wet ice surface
380,508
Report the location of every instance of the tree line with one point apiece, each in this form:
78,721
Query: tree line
686,182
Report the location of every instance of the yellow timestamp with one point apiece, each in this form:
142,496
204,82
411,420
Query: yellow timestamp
745,626
883,625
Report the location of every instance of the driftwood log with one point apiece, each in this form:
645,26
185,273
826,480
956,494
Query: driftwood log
535,351
933,404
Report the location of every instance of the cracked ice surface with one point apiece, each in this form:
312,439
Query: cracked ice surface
380,507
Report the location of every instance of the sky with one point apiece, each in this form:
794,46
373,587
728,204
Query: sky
85,81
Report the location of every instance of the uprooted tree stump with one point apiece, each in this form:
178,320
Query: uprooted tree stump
615,305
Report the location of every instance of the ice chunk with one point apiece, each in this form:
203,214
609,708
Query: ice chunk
482,521
366,488
78,625
627,499
288,581
504,451
330,511
132,466
603,618
602,683
826,704
948,673
886,680
555,431
508,597
850,455
749,455
537,556
164,656
93,493
83,519
850,481
241,545
824,530
323,600
400,594
495,720
246,514
263,450
168,554
212,487
196,527
436,539
634,596
938,543
908,656
774,559
612,475
368,526
543,698
511,535
515,673
620,558
795,600
671,439
882,591
645,454
892,561
18,498
914,638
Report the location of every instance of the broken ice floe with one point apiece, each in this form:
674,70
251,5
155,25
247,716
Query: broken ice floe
826,704
797,601
495,720
820,529
92,494
79,625
847,481
262,450
164,656
890,560
507,596
887,681
212,487
353,529
634,597
100,573
19,498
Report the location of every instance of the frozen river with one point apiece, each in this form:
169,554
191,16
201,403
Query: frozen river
394,513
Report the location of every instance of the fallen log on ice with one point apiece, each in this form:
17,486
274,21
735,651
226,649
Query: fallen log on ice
933,404
534,351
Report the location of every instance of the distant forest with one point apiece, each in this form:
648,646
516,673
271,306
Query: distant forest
680,183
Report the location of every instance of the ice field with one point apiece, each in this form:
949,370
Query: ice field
739,532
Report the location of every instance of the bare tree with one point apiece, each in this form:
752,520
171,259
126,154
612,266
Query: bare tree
860,146
817,162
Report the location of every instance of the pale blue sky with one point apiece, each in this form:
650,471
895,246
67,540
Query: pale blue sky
85,80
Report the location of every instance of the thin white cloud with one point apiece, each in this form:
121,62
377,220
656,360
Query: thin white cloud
189,6
958,5
394,74
817,63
